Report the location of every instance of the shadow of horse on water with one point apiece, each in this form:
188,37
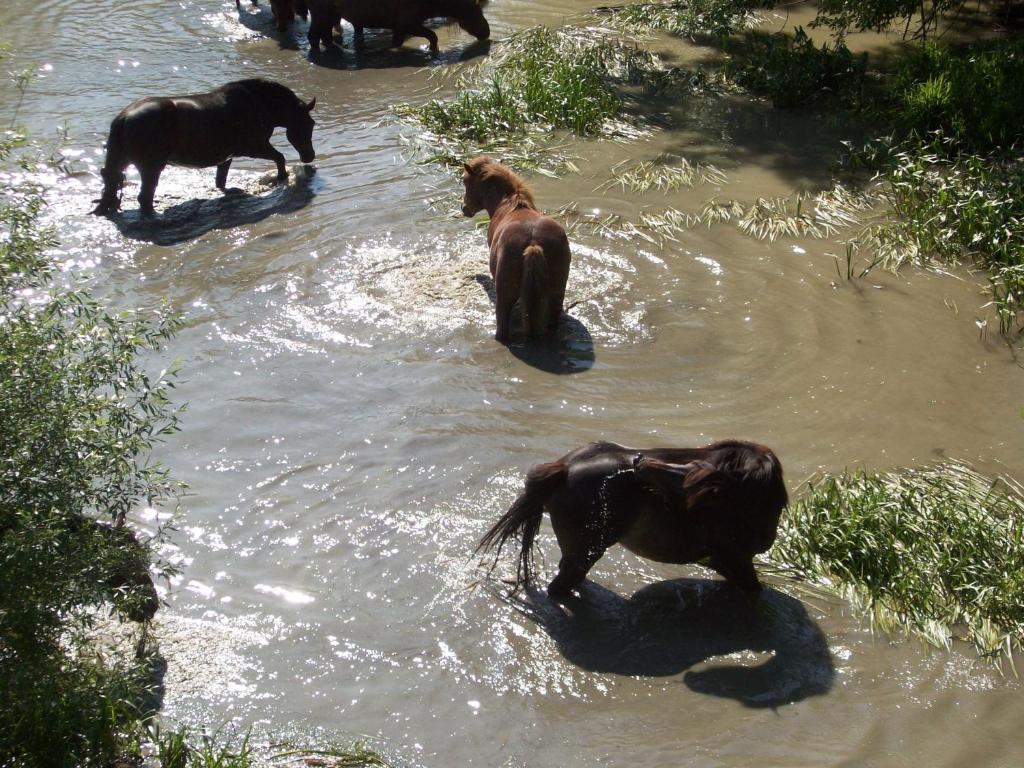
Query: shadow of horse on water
673,626
194,218
571,350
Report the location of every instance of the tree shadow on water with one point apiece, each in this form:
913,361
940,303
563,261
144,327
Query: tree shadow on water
194,218
686,626
570,350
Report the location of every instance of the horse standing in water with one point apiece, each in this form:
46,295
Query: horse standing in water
529,251
202,130
719,505
404,17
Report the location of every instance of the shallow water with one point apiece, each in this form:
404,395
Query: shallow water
353,428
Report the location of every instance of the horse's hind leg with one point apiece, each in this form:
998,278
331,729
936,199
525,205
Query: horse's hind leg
555,311
581,544
222,174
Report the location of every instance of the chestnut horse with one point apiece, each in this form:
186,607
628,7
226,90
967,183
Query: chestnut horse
529,251
403,17
202,130
719,505
283,10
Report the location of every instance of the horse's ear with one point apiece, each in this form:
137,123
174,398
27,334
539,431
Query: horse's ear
467,169
309,107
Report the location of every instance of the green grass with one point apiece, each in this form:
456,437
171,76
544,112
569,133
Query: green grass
938,552
795,72
79,414
973,95
685,18
951,206
539,80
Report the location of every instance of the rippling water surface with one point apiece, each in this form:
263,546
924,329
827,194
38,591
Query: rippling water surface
352,428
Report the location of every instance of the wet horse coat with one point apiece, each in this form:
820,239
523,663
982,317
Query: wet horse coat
529,258
203,130
718,505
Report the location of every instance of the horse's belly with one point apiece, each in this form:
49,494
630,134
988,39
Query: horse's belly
663,541
196,157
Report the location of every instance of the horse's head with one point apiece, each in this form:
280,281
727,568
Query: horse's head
472,19
300,131
472,200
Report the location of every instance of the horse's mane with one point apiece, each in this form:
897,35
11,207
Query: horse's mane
490,171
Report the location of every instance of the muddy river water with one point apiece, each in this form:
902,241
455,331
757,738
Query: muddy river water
352,427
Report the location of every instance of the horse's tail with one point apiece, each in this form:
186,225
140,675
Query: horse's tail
113,169
524,517
533,294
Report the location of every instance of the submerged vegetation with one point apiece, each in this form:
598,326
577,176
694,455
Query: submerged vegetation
936,551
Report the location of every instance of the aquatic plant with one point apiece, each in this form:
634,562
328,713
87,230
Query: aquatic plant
665,173
794,72
538,80
951,206
938,551
686,18
974,94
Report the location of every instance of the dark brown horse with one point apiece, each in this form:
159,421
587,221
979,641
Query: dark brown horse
405,17
719,505
529,251
202,130
283,10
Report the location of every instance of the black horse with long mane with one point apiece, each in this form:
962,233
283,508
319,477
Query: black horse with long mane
202,130
719,505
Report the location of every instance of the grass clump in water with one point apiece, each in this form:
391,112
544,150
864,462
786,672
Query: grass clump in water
666,173
954,206
540,79
685,18
794,72
938,551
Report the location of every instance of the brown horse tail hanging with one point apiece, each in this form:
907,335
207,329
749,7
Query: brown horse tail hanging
534,292
524,517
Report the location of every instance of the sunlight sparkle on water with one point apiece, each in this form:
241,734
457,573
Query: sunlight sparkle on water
293,596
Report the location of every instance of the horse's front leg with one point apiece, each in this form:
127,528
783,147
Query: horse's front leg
431,38
738,570
150,178
269,153
222,174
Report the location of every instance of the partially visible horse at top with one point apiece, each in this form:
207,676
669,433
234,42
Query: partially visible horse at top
405,18
202,130
283,10
529,251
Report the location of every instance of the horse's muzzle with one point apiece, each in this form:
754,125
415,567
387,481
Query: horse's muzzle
468,212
